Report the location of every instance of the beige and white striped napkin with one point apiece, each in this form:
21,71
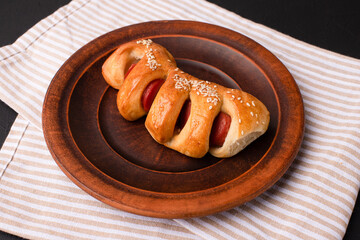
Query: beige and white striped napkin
314,199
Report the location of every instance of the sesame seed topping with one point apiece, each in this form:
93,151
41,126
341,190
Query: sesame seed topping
239,120
248,104
169,60
256,115
181,83
251,113
239,98
151,61
242,132
210,107
253,103
146,42
206,91
176,69
200,87
257,122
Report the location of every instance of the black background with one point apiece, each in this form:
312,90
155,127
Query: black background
333,25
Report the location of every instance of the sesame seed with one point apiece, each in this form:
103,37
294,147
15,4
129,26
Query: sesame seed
256,115
146,42
239,98
169,60
251,113
151,61
200,87
239,120
248,104
206,91
242,132
257,122
253,103
182,83
210,107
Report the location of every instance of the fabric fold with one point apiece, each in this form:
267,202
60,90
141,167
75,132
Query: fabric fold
38,201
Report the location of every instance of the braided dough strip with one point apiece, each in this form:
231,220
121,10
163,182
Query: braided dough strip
249,116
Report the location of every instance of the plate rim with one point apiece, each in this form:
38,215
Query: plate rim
192,202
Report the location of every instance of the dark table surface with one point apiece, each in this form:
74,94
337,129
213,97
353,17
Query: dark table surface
333,25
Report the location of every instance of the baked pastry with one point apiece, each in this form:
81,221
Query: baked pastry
184,113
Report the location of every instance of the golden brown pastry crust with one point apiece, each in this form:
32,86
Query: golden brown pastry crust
249,120
249,116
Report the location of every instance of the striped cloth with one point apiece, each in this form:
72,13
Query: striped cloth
313,200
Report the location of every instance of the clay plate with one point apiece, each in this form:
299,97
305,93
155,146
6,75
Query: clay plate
118,162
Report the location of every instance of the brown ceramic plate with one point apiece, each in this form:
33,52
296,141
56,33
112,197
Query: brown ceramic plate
120,164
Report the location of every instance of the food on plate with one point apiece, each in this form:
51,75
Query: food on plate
184,113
